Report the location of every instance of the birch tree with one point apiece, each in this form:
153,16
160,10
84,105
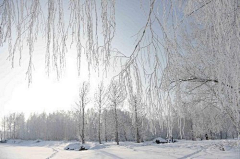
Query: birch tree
100,100
184,46
116,96
206,58
81,106
136,108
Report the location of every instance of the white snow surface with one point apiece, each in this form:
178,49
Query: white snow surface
38,149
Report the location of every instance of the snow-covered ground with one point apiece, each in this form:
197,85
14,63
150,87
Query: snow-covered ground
182,149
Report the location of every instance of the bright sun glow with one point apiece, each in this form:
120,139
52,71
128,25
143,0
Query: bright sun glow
46,93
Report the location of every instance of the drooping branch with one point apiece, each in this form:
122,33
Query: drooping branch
200,80
26,18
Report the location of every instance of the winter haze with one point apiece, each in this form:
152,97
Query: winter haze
119,79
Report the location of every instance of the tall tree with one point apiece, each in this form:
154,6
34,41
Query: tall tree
135,103
81,105
100,100
116,96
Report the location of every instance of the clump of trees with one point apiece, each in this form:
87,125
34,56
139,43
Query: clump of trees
115,116
63,125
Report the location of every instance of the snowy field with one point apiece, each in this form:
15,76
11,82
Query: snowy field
181,149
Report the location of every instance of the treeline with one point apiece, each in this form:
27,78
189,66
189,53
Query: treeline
63,125
118,114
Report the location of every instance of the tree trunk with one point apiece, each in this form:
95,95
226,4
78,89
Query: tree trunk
125,135
238,133
136,125
192,130
83,128
116,124
4,129
138,136
180,127
105,128
10,131
14,130
99,126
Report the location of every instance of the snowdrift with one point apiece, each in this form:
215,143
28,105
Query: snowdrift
160,140
87,146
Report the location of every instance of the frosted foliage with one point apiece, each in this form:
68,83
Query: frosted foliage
56,37
186,55
206,64
108,27
21,23
24,19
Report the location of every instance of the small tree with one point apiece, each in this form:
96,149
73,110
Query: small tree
100,100
135,103
81,105
116,96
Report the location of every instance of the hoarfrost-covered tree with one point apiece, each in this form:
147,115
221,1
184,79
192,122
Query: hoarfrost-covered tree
204,62
187,51
136,106
116,96
81,108
100,101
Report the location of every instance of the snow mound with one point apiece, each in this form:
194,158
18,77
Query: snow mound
87,146
160,140
77,147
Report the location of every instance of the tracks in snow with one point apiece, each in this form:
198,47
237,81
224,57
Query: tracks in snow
109,154
53,154
203,148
